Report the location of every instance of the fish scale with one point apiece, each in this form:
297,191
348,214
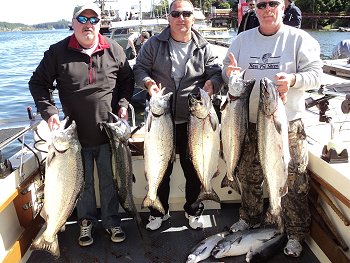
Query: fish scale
204,142
234,126
159,146
64,179
119,131
273,147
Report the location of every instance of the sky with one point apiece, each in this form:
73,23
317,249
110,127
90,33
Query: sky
40,11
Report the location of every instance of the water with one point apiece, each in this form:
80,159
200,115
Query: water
21,52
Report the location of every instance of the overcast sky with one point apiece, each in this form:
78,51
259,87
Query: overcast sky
41,11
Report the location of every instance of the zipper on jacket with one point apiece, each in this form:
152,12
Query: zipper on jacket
92,71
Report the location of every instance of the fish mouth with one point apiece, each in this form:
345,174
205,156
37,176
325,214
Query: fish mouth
266,93
119,125
195,98
112,117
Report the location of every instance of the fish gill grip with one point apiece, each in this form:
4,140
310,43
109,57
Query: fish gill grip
325,197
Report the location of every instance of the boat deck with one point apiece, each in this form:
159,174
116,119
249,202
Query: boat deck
171,243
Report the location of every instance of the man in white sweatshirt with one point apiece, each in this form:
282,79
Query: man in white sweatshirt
291,58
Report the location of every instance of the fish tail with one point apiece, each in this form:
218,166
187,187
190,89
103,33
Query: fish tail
42,244
274,218
156,204
234,184
204,195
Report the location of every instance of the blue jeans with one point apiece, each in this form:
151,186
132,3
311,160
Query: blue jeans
86,206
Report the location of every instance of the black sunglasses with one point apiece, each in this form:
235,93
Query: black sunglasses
84,19
272,4
179,13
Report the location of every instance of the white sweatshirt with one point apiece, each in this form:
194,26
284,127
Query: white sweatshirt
290,50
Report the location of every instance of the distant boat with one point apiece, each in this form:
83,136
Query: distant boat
341,50
121,30
344,29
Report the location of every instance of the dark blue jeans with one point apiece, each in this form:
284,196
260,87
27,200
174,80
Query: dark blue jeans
193,184
86,206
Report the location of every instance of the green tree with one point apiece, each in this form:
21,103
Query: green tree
162,8
205,5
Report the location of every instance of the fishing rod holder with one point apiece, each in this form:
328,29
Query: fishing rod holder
329,153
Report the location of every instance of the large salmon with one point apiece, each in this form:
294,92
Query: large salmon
234,126
64,177
119,131
273,147
159,146
203,249
245,242
204,142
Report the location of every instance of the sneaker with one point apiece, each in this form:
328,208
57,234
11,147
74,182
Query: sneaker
155,222
194,221
117,234
293,248
240,225
85,238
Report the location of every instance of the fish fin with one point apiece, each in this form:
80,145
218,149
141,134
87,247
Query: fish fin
235,185
149,123
224,105
249,255
43,213
204,195
274,219
63,228
42,244
156,204
283,190
213,122
133,178
217,173
50,156
278,125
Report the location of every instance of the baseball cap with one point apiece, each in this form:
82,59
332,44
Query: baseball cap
92,6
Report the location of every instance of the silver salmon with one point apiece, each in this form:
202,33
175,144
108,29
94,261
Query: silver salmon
64,179
244,242
267,250
159,146
204,142
119,131
203,249
273,147
234,126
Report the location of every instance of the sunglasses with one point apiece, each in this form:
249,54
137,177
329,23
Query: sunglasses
272,4
179,13
84,19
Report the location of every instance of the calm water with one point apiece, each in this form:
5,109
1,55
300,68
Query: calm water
20,53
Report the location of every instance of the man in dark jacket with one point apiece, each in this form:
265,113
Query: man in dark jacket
181,60
292,14
92,77
249,19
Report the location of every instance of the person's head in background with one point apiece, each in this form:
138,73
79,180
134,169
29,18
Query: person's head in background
144,36
251,4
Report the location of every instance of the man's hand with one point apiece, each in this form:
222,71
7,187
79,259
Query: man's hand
232,67
152,87
208,87
284,81
123,113
54,122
